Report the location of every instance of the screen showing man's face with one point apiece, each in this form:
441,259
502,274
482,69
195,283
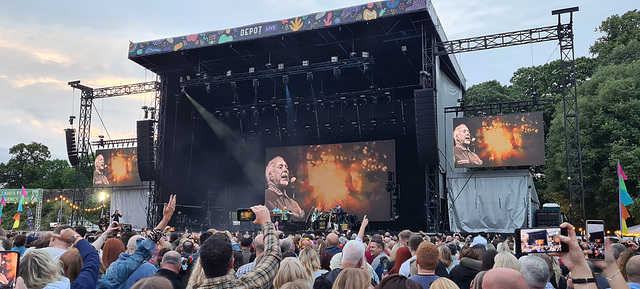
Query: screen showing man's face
462,135
280,173
99,163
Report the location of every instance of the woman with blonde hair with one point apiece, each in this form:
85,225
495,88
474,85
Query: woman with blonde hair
506,260
353,278
310,260
290,270
443,283
503,247
197,277
445,257
39,270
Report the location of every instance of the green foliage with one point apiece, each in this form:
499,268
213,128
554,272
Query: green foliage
489,92
618,31
31,167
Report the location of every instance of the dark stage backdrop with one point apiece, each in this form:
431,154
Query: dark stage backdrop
120,168
499,140
353,175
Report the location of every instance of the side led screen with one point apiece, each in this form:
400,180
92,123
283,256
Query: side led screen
116,168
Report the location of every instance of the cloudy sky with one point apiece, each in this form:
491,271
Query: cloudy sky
45,44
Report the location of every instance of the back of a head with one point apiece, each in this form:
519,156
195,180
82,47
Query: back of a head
204,236
132,244
59,229
352,254
187,247
286,244
325,261
80,229
414,242
427,256
246,241
290,270
111,251
503,278
488,260
153,282
171,259
309,259
174,236
38,269
258,243
333,240
476,283
405,235
215,255
618,249
352,278
535,271
470,252
398,281
125,236
506,260
5,244
444,283
71,264
503,247
20,240
633,269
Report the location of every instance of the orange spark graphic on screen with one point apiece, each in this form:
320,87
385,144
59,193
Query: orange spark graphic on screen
501,140
120,167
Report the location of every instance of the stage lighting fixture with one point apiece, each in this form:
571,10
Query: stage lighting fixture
305,63
365,67
309,76
234,85
353,54
252,69
207,87
334,59
365,54
269,65
308,106
336,72
404,48
146,111
375,100
285,80
181,80
227,114
153,112
280,66
327,124
71,118
101,137
228,73
183,90
256,83
276,111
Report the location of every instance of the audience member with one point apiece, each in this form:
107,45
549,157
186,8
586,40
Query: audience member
290,270
111,251
352,278
445,257
352,257
18,244
426,260
488,260
469,266
535,271
297,284
332,244
153,282
414,242
402,255
170,267
445,283
506,260
403,240
396,281
503,278
377,252
311,262
39,270
258,245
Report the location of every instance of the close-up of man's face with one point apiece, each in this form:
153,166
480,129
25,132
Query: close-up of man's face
279,174
99,163
462,135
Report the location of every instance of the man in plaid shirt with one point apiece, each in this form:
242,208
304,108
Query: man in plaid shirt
216,258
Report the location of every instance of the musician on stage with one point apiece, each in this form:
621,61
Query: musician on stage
314,219
277,173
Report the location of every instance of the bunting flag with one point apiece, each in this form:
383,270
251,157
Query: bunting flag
624,200
17,218
20,204
24,192
2,201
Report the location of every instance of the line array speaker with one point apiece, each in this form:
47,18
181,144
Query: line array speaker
426,126
146,150
72,150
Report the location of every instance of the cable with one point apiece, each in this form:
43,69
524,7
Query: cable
102,122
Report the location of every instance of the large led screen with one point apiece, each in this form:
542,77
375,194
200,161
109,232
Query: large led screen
116,168
350,175
499,140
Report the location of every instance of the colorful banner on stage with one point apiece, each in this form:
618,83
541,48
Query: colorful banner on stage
499,140
364,12
352,175
12,196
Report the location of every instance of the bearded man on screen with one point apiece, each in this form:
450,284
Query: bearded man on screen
275,196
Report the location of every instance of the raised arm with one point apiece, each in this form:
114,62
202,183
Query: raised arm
167,212
363,226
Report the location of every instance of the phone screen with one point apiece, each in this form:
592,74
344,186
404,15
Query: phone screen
9,268
246,215
595,239
540,240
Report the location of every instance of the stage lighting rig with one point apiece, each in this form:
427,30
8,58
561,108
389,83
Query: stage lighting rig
71,118
285,80
309,76
228,73
334,59
252,69
280,66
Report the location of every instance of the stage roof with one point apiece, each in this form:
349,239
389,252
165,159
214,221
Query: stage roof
391,31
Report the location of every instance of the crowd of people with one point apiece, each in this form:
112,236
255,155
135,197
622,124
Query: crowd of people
160,258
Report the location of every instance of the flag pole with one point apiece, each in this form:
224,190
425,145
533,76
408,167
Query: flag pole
619,198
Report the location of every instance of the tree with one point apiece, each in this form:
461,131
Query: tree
618,31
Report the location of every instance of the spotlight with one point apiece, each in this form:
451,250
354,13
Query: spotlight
280,66
353,54
228,73
334,59
269,65
309,76
404,48
183,90
234,85
365,67
207,87
365,54
71,118
305,63
285,80
336,72
252,69
256,83
146,113
153,112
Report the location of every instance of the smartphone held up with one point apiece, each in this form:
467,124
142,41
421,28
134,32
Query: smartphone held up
9,261
246,215
540,240
595,239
